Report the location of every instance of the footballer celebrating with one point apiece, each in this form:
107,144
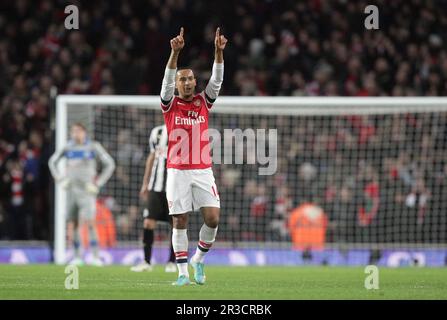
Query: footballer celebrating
190,180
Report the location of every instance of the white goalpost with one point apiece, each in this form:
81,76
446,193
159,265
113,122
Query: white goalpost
373,165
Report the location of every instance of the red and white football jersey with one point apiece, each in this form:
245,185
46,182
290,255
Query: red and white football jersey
187,126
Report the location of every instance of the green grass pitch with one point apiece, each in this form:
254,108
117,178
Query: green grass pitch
117,282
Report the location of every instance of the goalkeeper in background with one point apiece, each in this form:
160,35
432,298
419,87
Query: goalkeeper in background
82,185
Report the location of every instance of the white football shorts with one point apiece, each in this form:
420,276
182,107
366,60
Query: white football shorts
188,190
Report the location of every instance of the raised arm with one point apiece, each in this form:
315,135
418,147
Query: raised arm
177,45
213,87
219,45
168,84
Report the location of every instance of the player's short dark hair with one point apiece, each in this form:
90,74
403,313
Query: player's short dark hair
80,125
184,68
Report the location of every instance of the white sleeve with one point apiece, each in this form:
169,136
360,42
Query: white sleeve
213,87
168,86
152,142
53,161
108,164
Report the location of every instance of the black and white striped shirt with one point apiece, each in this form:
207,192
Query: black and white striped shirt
158,143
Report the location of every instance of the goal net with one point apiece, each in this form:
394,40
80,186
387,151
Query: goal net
301,180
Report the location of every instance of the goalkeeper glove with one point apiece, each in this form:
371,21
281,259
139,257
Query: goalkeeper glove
64,182
91,188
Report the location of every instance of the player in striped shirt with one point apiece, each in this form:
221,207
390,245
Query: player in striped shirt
153,190
190,183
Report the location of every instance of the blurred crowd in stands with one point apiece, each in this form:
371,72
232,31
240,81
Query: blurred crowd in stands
287,47
377,178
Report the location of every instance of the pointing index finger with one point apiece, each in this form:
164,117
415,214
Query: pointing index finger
218,32
181,32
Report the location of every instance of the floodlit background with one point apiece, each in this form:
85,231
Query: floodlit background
350,189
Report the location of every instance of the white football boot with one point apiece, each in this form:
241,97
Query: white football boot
97,262
170,267
77,261
144,266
